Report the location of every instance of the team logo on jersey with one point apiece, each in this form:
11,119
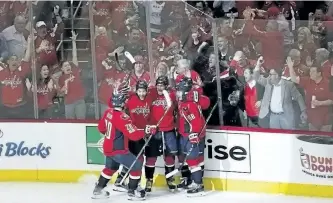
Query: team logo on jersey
141,110
160,102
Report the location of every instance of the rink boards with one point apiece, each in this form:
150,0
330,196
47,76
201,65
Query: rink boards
235,160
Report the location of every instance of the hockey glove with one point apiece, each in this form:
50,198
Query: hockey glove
194,138
193,96
151,129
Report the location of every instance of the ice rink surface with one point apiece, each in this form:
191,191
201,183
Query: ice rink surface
81,193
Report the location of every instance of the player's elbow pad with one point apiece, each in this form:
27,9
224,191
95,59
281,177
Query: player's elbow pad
205,103
103,131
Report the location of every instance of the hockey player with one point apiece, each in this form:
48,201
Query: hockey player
118,128
164,141
190,124
138,106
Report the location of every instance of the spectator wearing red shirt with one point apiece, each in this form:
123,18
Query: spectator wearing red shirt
45,44
318,97
47,90
13,93
71,86
299,68
19,8
269,38
183,70
102,13
108,80
252,95
139,72
103,44
322,59
320,25
239,63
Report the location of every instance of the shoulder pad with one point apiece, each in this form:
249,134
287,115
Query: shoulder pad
124,116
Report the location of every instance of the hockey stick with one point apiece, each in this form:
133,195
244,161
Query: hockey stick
174,172
168,103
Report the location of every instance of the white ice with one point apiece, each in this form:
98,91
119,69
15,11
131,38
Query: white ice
81,193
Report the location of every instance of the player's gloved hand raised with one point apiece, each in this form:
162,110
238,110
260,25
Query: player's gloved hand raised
194,138
151,129
193,95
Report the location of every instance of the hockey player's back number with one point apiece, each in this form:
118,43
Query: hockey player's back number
108,129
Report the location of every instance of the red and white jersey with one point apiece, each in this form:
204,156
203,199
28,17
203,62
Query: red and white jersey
48,55
75,88
159,106
12,84
139,110
134,79
118,128
190,118
45,94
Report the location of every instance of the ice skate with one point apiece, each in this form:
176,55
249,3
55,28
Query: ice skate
120,187
149,185
171,184
100,193
135,195
184,184
196,190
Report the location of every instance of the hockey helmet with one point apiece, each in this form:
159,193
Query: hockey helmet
141,84
118,99
185,85
162,80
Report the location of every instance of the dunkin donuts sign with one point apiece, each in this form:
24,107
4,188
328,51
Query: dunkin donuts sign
316,166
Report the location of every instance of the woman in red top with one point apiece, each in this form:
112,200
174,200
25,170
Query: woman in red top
71,86
46,91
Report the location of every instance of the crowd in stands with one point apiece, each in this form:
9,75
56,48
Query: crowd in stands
274,58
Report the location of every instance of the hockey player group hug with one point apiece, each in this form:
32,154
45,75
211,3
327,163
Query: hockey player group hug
140,126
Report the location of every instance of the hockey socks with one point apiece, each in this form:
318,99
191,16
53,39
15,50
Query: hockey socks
102,182
170,181
169,169
186,173
149,172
